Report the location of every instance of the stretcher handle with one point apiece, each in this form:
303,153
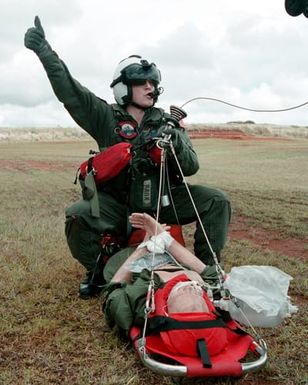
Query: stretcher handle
159,367
181,371
261,349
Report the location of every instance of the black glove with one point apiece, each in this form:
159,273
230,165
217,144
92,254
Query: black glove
35,39
175,137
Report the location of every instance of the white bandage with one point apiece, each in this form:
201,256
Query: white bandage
158,243
143,244
166,238
154,245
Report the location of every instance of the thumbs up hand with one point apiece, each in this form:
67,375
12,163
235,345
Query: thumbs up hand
35,38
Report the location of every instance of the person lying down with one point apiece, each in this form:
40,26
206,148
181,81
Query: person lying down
178,277
179,280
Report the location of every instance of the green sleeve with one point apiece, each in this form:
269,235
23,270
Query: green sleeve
187,157
118,311
125,303
89,112
124,306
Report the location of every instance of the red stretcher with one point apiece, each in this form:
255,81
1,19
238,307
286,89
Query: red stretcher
232,362
241,355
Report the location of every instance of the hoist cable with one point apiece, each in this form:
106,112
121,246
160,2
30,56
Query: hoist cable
244,108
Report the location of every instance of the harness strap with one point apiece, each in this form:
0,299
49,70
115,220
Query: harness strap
161,324
90,164
204,353
90,193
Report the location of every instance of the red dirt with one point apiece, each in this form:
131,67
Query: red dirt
228,134
26,165
269,239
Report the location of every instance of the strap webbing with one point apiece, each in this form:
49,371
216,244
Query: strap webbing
160,324
204,353
90,165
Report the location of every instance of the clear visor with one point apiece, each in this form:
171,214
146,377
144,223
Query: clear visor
136,73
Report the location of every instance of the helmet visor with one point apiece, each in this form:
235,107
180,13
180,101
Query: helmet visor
138,73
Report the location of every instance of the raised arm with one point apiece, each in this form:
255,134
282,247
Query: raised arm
151,227
84,106
179,252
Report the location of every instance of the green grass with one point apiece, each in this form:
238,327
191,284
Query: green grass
49,336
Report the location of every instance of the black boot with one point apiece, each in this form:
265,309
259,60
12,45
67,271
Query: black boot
92,285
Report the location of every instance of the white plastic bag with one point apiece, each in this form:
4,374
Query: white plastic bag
261,293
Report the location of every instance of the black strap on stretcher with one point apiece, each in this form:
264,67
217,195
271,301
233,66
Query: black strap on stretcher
162,324
159,324
204,353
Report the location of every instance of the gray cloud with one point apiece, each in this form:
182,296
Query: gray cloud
16,17
187,47
249,55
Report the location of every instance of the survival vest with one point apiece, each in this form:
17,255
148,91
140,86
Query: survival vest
190,334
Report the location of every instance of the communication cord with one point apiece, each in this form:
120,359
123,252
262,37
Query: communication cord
244,108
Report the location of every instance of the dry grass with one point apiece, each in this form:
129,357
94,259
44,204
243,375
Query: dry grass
9,134
50,336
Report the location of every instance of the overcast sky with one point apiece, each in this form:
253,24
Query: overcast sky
246,52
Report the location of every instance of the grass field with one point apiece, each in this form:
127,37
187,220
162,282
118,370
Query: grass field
50,336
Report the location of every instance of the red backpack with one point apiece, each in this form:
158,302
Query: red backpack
108,163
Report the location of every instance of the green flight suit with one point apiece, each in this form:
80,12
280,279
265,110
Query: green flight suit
103,122
123,303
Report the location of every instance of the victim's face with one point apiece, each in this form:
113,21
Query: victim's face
186,298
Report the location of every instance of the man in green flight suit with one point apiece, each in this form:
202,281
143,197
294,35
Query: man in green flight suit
132,119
